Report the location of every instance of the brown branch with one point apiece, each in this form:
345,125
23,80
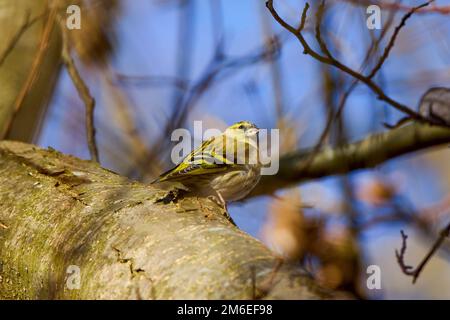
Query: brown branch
336,63
367,153
336,115
391,43
409,270
123,112
83,92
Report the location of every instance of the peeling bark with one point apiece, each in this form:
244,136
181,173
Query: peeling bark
59,211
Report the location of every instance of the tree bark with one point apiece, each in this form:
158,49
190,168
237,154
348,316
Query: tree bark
57,211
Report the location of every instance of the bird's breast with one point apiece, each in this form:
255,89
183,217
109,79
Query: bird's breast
235,185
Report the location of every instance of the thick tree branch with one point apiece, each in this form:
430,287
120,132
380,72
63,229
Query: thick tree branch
391,43
60,211
57,211
370,152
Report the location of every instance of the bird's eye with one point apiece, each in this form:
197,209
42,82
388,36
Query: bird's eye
241,126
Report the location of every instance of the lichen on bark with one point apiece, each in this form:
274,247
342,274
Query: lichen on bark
60,211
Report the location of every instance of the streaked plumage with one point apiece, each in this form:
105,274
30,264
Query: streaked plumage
209,169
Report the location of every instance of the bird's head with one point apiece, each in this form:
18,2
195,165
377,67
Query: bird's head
243,127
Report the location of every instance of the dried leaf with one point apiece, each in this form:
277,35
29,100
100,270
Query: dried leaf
284,231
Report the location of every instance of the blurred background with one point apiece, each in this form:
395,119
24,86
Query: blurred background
157,65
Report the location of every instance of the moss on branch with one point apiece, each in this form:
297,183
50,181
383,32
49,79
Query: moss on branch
303,165
60,211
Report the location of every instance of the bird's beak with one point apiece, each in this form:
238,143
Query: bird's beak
252,131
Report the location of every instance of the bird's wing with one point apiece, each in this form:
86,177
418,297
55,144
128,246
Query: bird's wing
201,161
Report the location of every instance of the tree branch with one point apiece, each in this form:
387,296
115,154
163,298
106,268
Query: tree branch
364,154
408,270
328,59
62,211
83,92
393,6
391,43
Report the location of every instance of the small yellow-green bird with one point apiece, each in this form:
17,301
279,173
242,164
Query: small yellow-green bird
210,169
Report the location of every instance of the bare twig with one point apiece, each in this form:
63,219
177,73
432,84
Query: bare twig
219,67
184,50
4,226
391,43
83,92
418,220
156,80
409,270
336,63
336,115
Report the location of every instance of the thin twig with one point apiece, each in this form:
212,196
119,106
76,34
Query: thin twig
264,289
336,63
253,278
409,270
391,43
83,92
319,17
398,6
4,226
